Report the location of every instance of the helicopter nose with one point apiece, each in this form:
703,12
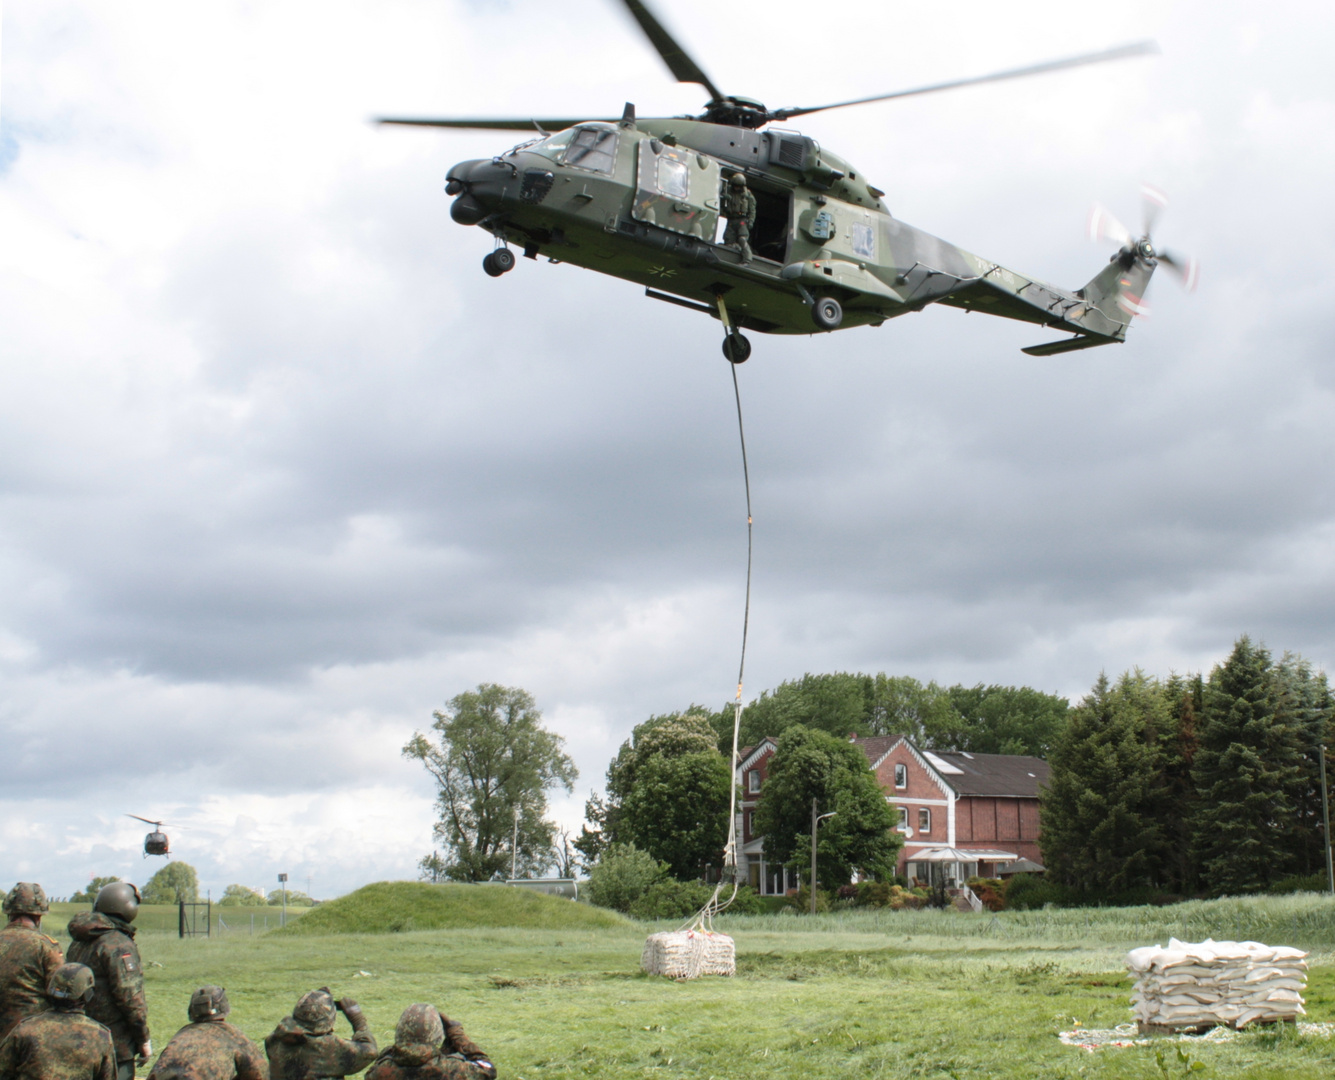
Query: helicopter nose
480,189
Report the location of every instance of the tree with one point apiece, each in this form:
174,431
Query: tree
1303,703
837,703
1004,720
295,898
678,811
622,876
242,896
494,763
432,868
1246,769
90,893
861,836
564,855
1101,827
1184,697
175,882
668,790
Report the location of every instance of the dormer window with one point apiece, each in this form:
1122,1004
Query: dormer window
901,776
753,781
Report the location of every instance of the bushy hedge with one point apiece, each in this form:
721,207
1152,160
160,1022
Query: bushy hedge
1302,883
622,877
669,899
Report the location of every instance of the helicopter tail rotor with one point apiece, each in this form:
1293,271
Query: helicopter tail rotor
1139,253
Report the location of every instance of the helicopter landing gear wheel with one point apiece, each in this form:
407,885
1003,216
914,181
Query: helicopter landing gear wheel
736,348
501,261
827,313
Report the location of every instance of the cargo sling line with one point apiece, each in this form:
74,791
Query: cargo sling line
694,949
704,919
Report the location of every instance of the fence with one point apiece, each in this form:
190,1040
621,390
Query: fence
189,923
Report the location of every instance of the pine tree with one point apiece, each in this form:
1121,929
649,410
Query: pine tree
1101,809
1183,697
1246,770
1303,701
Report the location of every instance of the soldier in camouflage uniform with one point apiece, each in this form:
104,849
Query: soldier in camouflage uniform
28,958
304,1047
61,1044
430,1046
104,941
209,1048
739,208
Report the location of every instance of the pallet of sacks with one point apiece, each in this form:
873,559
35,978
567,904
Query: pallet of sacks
688,954
1216,983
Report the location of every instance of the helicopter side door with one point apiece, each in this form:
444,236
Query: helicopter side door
677,189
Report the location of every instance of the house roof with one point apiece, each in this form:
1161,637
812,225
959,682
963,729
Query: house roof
995,774
1013,775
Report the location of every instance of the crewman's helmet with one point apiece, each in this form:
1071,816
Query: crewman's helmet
315,1012
208,1003
70,982
420,1026
737,180
26,898
120,899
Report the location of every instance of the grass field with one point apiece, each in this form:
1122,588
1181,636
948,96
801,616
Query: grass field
857,994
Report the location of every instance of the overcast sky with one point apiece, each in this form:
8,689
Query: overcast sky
281,470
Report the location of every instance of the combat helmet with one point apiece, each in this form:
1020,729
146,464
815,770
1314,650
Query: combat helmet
419,1025
26,898
69,983
208,1003
315,1012
737,180
120,899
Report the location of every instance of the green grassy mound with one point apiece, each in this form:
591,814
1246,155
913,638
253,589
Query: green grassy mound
397,906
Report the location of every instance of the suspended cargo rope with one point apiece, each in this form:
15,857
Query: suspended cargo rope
696,949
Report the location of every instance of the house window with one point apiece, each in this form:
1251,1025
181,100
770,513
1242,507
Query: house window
750,823
924,819
753,781
903,818
901,775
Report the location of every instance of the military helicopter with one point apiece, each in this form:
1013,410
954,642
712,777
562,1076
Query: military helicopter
156,842
640,199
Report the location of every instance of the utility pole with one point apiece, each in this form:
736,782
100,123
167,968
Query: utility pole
1325,818
514,845
282,880
815,823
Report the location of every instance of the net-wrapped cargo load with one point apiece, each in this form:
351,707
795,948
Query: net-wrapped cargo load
1214,983
688,954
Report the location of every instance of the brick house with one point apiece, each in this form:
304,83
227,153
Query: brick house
983,803
976,803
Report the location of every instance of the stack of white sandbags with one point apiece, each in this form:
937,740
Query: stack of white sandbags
688,954
1230,983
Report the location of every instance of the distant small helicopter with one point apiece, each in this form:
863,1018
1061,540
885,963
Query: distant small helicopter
156,842
640,199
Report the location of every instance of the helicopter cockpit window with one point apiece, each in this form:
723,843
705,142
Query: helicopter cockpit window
674,177
553,145
593,148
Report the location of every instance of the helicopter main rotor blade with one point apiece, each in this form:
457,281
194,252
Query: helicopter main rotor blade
1122,52
496,124
144,820
678,60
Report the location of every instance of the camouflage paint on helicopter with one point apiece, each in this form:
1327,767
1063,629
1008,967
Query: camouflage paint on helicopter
640,200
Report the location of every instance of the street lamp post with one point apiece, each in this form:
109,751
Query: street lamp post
815,823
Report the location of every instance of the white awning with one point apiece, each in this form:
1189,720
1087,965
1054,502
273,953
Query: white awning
961,855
